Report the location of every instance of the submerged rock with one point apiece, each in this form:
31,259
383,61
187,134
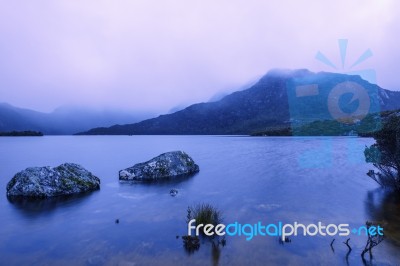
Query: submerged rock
173,192
42,182
165,166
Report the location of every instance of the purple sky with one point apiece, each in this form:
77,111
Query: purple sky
154,55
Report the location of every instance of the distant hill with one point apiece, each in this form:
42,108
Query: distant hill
264,105
62,121
21,134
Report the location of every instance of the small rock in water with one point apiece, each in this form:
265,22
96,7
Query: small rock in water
165,166
287,240
173,192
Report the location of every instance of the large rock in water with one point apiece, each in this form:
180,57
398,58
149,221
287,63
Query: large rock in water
42,182
165,166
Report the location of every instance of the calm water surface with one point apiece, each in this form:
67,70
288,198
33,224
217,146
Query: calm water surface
249,179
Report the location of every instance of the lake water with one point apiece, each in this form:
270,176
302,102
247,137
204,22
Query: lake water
249,179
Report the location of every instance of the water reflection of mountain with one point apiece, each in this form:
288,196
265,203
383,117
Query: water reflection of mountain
382,205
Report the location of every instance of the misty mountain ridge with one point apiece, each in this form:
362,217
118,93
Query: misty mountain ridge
268,103
223,93
216,97
63,120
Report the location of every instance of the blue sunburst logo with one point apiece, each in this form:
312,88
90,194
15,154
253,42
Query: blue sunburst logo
367,74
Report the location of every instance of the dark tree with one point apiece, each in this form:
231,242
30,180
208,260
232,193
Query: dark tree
385,154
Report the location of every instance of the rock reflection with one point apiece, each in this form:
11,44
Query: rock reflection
37,207
216,253
384,206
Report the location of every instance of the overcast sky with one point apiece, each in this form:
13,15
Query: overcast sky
154,55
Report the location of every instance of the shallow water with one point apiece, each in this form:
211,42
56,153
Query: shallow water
250,179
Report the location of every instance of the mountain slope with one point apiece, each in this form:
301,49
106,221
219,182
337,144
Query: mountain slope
263,105
12,118
61,121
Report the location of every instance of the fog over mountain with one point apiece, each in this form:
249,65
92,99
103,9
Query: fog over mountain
63,120
263,105
154,55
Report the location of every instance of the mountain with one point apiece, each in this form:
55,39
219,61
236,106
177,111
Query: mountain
271,102
62,121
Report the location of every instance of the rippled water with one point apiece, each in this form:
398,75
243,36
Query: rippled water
250,179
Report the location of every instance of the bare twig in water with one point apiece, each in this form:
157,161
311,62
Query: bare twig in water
347,244
348,253
333,250
372,241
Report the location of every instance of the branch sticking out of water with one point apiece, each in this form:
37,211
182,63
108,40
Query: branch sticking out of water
333,250
372,241
348,253
347,244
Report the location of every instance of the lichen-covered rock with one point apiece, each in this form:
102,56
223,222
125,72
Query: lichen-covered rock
165,166
42,182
